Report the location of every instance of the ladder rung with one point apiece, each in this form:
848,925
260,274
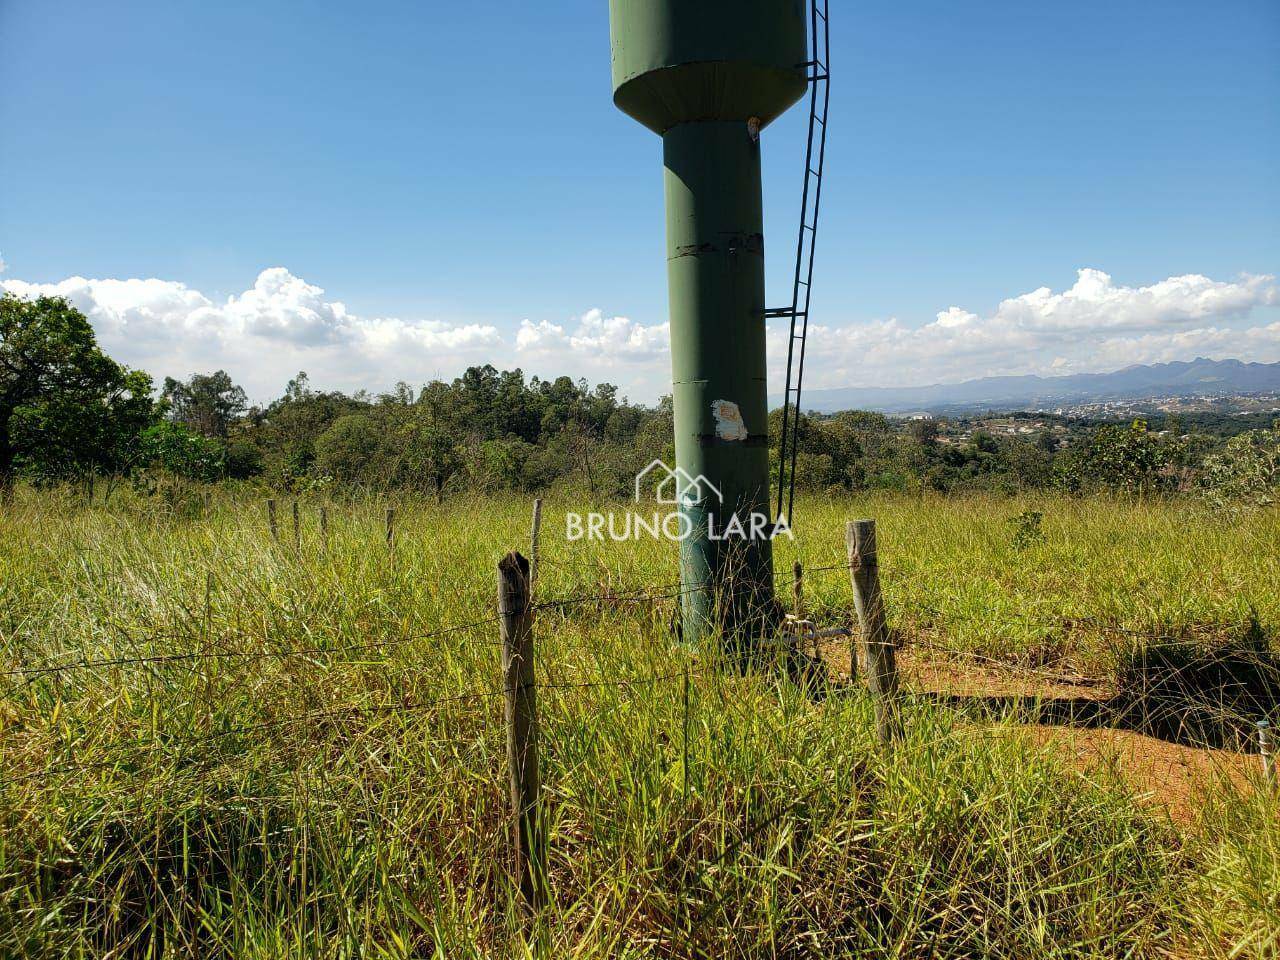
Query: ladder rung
816,71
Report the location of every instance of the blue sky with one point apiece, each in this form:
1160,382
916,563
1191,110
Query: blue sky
445,172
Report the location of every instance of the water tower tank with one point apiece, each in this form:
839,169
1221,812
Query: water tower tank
683,61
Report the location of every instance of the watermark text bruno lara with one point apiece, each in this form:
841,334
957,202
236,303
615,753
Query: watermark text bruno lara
673,488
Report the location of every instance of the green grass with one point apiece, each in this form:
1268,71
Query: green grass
317,770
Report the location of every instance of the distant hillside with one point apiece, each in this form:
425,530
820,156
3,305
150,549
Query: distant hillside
1199,377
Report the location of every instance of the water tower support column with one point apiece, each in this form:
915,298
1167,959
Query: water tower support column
715,271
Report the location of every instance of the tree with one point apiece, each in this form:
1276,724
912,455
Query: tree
580,449
180,451
351,450
286,432
499,464
66,408
207,403
1122,458
925,432
428,449
1030,463
1247,469
984,442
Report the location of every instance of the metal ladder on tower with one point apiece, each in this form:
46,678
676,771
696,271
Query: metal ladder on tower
818,71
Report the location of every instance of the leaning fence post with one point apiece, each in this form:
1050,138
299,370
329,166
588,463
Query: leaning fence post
533,545
877,646
797,597
297,528
516,615
391,528
271,520
1264,748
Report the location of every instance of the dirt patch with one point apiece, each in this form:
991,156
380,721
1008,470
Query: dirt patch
924,671
1171,776
1161,774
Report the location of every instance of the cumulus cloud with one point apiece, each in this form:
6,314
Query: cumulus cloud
263,335
1094,325
635,356
1096,303
283,324
608,340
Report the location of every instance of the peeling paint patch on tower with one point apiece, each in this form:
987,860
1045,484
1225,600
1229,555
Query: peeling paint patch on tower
729,424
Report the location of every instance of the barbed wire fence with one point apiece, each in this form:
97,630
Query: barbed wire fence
1180,692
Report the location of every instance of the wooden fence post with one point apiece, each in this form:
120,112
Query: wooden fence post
797,599
297,528
271,520
533,545
877,645
324,529
391,528
522,726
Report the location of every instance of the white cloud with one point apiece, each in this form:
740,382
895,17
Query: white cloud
262,336
607,340
1094,325
1259,343
283,324
1096,303
632,355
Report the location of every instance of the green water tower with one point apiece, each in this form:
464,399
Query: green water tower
708,76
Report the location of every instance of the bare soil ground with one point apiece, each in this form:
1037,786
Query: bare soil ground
1167,775
1172,777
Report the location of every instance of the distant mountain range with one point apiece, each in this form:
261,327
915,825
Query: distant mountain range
1199,377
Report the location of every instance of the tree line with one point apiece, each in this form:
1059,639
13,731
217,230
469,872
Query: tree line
69,413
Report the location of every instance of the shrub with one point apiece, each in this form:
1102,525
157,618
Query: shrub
1247,470
175,449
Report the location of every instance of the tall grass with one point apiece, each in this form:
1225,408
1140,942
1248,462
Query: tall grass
294,754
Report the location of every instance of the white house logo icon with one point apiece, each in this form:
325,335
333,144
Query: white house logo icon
696,489
672,487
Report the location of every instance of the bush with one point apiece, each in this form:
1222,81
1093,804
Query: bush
174,449
351,450
1247,469
1115,458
